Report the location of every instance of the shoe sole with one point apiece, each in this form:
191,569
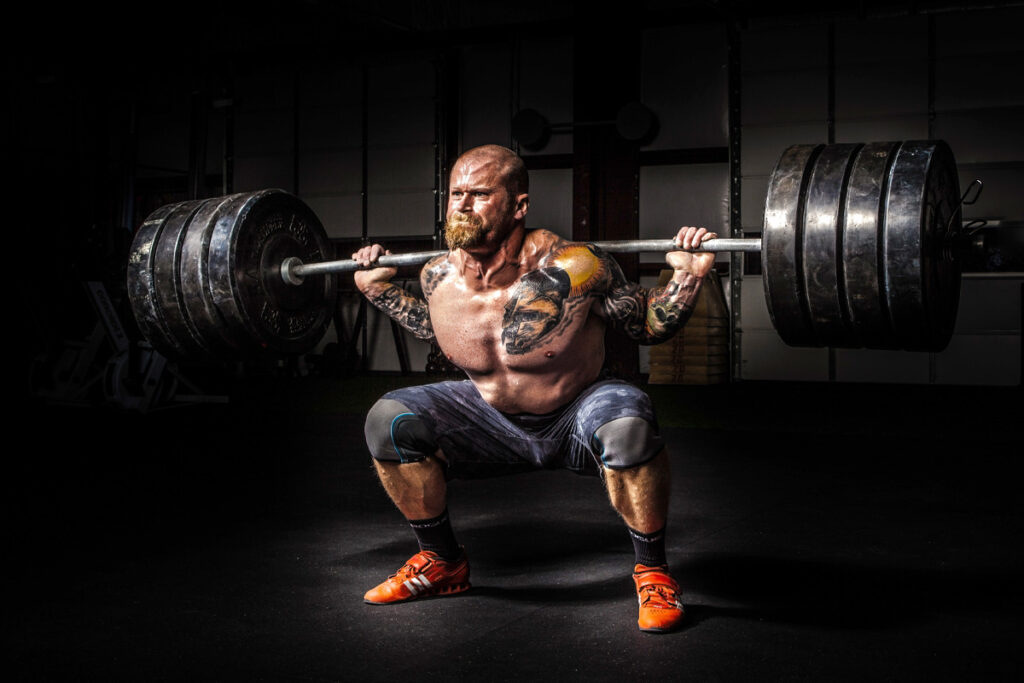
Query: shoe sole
440,593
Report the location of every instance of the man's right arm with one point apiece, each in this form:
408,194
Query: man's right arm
409,311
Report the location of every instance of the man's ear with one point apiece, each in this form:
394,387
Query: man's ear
522,206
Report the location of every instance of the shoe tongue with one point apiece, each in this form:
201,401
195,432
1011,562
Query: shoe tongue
418,561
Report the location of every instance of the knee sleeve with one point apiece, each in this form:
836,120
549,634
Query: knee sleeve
394,433
627,442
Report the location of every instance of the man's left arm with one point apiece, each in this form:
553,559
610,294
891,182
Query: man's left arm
652,316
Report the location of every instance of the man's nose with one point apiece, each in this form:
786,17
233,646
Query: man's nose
461,204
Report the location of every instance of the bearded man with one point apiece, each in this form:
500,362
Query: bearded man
523,313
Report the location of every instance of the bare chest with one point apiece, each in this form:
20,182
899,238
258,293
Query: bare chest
531,325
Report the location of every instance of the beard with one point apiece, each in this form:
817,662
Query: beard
464,231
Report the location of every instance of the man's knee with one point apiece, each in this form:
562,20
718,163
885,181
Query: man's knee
627,442
396,434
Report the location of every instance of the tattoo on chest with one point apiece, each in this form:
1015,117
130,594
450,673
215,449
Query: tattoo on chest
542,305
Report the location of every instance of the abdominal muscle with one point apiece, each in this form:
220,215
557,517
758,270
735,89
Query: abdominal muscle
537,382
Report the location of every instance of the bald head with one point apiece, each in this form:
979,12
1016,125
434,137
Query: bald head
508,163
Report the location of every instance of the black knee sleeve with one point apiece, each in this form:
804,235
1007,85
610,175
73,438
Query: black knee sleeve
627,442
396,434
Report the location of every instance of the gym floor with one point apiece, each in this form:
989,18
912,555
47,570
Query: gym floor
820,532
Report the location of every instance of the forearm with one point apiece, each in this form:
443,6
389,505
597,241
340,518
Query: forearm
669,307
409,311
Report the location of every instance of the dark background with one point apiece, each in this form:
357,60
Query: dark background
158,543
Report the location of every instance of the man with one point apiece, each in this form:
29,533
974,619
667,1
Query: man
523,312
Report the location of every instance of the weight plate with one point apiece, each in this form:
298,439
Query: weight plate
861,247
922,277
152,280
781,245
193,270
823,218
141,293
249,241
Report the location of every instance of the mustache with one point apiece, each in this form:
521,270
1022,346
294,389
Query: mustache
463,230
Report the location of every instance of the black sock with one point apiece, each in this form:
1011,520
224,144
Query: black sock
649,548
435,534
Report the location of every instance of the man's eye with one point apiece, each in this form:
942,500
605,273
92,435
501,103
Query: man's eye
479,194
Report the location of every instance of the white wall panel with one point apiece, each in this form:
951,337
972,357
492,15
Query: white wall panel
674,196
753,305
978,32
381,342
684,80
402,80
262,172
753,192
878,90
545,84
874,365
882,41
763,145
341,215
551,201
907,127
989,305
264,131
485,96
1001,197
983,135
164,140
332,86
272,88
788,48
785,96
765,357
978,81
401,168
398,213
985,359
407,121
331,171
337,127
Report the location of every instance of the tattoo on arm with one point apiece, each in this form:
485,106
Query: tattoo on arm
407,310
650,316
436,270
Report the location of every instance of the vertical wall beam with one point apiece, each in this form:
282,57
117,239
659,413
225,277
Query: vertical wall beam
606,168
735,200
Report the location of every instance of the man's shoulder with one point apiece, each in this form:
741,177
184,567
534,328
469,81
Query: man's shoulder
587,267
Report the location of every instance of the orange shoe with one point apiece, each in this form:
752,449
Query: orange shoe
424,575
661,610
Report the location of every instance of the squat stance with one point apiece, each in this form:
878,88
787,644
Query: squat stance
523,313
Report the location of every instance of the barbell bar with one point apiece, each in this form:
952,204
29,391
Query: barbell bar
857,250
294,271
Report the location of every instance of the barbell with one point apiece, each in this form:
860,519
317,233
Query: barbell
858,249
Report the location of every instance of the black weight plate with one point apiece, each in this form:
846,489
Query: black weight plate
781,245
207,322
942,219
862,247
141,288
921,281
166,289
248,244
822,252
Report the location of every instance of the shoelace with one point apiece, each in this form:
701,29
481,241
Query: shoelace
662,595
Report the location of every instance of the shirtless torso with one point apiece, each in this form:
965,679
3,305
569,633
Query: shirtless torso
523,312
